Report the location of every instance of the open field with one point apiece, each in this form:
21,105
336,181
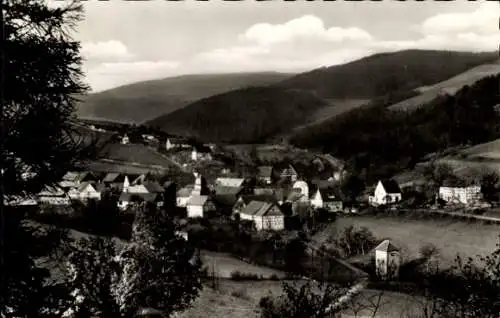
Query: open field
224,264
451,237
127,168
135,153
241,299
450,86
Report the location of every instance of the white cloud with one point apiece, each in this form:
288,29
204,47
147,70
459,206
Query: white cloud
484,20
104,51
307,26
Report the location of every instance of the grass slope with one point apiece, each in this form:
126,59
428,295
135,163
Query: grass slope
450,86
241,116
386,73
142,101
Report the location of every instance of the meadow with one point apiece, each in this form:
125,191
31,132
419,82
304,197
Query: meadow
451,237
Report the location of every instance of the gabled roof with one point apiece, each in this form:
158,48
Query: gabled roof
390,186
140,188
84,185
168,184
114,177
265,171
198,200
294,196
176,140
387,246
225,199
230,182
260,208
279,193
289,171
52,191
222,190
259,197
153,187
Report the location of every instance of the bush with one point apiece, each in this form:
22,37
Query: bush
239,294
239,276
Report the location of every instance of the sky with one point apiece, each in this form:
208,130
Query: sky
129,41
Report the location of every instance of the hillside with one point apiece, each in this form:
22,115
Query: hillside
142,101
242,116
390,141
380,79
386,73
450,86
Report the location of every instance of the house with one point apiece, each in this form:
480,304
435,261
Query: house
183,196
73,179
279,194
173,143
127,198
199,206
86,191
243,200
317,200
387,260
195,155
289,173
125,140
226,197
53,196
302,188
265,174
452,192
386,192
332,200
114,180
230,182
265,215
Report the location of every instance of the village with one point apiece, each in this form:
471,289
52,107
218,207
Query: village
212,197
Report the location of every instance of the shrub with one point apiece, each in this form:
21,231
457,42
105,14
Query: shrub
239,276
239,294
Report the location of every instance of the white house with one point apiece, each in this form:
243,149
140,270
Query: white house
84,192
457,194
125,140
265,215
387,260
183,196
194,155
303,189
317,200
265,174
199,206
172,143
386,192
229,182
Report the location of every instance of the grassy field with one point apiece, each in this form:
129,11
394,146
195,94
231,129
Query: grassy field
451,237
135,153
224,265
102,166
450,86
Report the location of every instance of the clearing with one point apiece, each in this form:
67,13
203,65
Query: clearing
450,86
136,153
450,236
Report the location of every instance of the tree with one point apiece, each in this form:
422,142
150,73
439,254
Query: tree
305,300
353,187
157,269
295,252
489,182
354,241
40,83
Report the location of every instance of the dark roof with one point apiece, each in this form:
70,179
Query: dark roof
153,187
221,190
260,208
259,197
225,199
391,186
114,177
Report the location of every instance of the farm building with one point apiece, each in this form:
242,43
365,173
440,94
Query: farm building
453,193
387,260
386,192
173,143
127,198
265,215
199,206
86,191
53,196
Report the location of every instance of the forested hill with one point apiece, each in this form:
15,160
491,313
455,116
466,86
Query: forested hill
242,116
138,102
378,142
386,73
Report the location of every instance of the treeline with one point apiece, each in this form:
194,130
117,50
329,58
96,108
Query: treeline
377,142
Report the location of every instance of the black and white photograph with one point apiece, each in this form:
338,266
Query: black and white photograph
249,158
